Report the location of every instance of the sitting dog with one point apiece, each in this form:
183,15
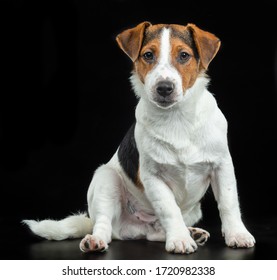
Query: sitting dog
177,147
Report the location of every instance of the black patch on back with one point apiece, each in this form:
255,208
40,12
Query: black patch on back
128,154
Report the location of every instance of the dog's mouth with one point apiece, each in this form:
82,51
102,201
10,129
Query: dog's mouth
164,102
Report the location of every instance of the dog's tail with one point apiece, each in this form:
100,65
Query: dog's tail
74,226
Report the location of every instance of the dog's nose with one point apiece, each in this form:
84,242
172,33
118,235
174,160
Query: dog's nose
164,88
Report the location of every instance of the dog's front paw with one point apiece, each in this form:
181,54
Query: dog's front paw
93,243
181,245
239,239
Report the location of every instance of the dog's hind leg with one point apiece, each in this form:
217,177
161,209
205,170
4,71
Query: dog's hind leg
199,235
104,205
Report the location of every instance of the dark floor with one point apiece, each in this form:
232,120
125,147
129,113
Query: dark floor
17,242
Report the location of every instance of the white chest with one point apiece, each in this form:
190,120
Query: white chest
184,160
182,146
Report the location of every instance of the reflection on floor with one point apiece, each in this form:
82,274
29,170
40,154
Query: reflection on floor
25,246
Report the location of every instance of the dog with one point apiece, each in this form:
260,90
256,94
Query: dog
177,147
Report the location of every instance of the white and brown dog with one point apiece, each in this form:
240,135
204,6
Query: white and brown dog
152,186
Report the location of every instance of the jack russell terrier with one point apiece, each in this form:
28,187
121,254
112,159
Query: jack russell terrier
177,147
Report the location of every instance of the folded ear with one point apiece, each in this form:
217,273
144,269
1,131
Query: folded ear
130,40
207,44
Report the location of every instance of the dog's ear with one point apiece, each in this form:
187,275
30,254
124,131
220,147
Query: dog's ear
207,44
130,40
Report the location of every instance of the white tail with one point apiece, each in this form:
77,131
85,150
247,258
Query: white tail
74,226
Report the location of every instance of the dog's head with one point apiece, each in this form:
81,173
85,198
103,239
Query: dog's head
167,58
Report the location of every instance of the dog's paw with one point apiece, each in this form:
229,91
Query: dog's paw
199,235
180,245
240,239
92,243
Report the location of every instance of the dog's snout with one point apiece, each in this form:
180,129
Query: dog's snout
165,88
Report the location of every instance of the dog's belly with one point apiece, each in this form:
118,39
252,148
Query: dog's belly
137,219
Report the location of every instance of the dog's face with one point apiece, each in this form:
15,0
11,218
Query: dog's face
168,58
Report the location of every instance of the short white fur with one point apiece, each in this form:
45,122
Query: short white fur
182,151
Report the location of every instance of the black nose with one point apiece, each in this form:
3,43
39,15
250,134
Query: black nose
165,88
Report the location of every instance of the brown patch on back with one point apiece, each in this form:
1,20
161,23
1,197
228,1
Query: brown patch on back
138,182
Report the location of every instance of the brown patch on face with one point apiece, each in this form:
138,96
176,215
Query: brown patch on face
188,69
201,47
142,66
182,43
151,44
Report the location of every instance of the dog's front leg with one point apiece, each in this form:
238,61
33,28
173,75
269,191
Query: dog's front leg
178,239
225,190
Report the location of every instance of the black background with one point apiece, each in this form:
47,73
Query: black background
66,101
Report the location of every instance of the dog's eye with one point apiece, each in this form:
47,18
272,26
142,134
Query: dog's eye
148,56
183,57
